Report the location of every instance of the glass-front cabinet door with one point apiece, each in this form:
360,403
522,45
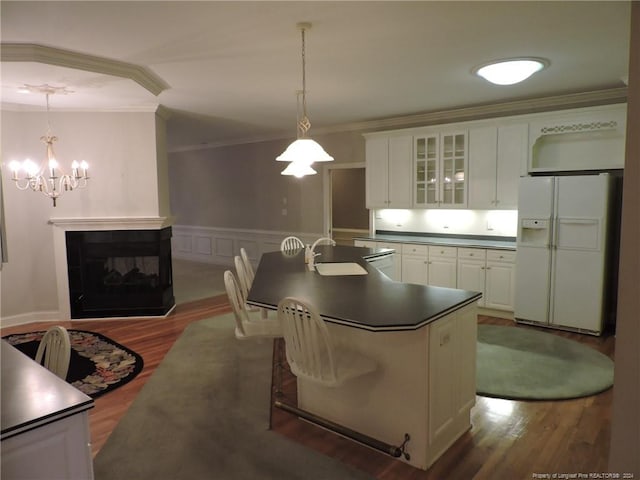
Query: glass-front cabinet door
440,165
454,160
427,171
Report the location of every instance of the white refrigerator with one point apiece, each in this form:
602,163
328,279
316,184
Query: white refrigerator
561,256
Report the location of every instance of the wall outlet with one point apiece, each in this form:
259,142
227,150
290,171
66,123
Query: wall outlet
284,212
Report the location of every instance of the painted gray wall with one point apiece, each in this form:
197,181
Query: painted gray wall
240,186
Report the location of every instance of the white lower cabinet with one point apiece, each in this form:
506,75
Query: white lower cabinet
415,263
500,280
442,266
61,449
472,264
491,272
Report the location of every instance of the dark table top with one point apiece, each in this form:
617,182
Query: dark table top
370,302
32,396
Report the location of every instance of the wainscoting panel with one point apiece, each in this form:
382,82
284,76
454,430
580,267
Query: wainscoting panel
219,245
203,245
181,244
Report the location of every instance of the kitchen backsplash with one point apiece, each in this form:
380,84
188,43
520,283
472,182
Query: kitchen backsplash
501,223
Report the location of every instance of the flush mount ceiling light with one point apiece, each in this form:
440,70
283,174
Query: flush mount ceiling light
510,71
303,151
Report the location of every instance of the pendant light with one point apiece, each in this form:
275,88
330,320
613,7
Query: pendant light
303,151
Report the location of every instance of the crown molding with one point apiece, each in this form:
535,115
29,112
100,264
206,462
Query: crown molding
21,108
480,112
29,52
440,117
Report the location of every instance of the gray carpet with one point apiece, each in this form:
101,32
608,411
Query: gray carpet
520,363
204,414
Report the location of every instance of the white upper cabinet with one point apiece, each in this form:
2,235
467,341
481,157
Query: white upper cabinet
388,171
497,156
440,168
584,139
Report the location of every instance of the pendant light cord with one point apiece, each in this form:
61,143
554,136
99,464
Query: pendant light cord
304,124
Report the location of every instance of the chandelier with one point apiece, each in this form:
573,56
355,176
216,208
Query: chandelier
303,151
48,178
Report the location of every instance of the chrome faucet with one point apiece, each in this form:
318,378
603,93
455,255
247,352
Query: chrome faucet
310,253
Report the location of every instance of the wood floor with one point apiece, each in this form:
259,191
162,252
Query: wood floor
509,439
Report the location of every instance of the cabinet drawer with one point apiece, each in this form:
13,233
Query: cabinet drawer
472,253
507,256
414,249
439,251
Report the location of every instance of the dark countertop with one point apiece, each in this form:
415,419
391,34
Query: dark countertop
32,396
371,302
506,243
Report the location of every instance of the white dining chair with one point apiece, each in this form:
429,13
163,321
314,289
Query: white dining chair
248,323
54,351
248,268
245,285
291,243
310,350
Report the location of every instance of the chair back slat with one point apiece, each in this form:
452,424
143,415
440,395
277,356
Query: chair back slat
291,243
248,268
236,299
308,344
54,351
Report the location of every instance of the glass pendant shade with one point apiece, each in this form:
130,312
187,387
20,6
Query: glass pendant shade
510,72
306,150
298,169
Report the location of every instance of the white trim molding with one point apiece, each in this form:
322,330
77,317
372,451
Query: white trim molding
29,52
219,246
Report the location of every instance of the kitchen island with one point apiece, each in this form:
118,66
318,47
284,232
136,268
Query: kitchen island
423,339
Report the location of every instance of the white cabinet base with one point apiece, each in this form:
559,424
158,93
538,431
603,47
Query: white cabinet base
404,395
60,449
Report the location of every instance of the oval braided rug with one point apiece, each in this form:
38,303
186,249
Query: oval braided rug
97,365
524,364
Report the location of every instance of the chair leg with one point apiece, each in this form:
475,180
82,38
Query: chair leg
278,367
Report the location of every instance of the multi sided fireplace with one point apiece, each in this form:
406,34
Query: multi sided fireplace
119,273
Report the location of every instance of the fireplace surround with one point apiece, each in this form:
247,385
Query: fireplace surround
119,273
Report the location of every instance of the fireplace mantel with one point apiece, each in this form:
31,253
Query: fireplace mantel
111,223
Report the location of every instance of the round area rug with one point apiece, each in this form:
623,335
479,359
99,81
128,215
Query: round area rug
97,365
523,364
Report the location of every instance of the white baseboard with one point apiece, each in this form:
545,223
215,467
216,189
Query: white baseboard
30,317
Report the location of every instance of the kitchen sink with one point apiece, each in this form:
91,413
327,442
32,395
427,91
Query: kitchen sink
345,268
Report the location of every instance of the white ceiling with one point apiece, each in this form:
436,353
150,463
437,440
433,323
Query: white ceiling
233,68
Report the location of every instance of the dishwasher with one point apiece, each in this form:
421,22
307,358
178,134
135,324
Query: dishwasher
386,263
